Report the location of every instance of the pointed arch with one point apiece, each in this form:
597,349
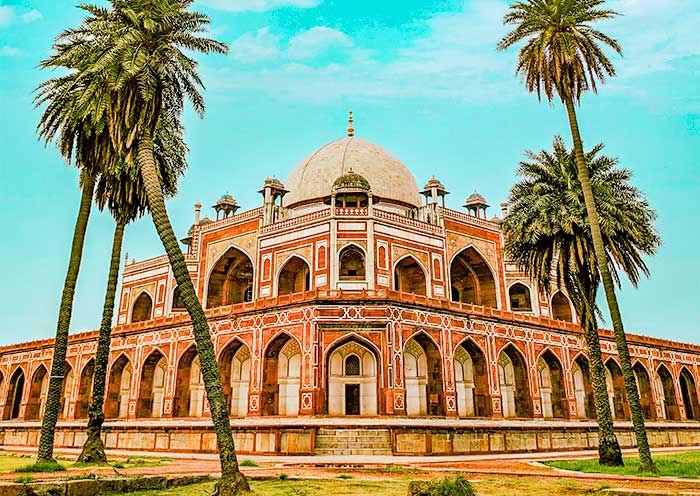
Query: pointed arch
230,279
561,308
410,276
423,376
583,389
471,380
142,309
616,390
119,388
352,378
281,376
152,385
66,390
519,297
37,394
234,367
644,388
515,388
177,304
189,385
87,376
550,375
689,394
352,263
666,391
472,280
294,276
15,390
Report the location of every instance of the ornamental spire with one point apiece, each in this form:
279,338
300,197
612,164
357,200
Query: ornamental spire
351,129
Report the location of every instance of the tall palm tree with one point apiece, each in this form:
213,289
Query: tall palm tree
139,46
562,55
547,227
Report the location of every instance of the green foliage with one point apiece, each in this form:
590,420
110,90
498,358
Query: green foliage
346,476
682,465
283,476
25,479
449,486
248,463
41,467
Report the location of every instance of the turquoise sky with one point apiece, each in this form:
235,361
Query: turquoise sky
425,82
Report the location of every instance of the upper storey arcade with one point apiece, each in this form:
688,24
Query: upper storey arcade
350,217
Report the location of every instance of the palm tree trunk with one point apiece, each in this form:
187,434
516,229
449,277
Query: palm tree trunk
58,365
646,463
232,480
93,448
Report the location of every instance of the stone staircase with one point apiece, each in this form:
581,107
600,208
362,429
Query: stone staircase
363,441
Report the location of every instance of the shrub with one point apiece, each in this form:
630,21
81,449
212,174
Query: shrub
41,467
449,486
25,479
283,476
248,463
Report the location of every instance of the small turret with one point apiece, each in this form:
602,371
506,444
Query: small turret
225,206
476,205
433,190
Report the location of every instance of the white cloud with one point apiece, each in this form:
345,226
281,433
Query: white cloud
255,46
6,14
8,51
257,5
31,16
316,40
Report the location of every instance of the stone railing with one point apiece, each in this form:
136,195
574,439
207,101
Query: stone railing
351,211
406,221
469,219
296,221
234,219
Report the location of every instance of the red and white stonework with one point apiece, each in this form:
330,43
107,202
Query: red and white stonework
350,298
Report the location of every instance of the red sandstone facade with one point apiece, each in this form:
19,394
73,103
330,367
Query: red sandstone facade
355,298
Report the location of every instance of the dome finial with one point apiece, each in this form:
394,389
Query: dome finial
351,130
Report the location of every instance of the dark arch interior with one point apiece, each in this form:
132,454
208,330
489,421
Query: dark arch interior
482,397
556,373
670,402
66,372
85,390
435,394
295,277
409,277
523,402
225,367
181,402
270,391
231,280
114,388
690,395
145,402
14,395
178,303
33,410
582,362
143,306
620,406
471,279
519,295
644,388
352,263
561,309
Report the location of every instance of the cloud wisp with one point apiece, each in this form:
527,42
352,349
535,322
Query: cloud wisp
257,5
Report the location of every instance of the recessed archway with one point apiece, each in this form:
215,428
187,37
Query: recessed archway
352,380
583,390
689,394
471,279
551,378
178,303
152,386
351,264
519,296
616,390
561,307
281,377
66,390
119,389
644,389
87,377
423,377
409,276
37,394
234,367
189,386
15,390
230,280
294,277
515,389
471,381
666,392
142,308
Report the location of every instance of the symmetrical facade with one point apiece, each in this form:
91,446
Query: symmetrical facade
351,293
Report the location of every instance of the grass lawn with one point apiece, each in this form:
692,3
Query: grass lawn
685,465
10,463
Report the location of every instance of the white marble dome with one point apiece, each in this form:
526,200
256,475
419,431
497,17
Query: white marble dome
388,177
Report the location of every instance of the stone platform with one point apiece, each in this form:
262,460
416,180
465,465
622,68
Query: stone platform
354,436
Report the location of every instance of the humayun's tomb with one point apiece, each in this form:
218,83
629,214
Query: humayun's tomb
352,313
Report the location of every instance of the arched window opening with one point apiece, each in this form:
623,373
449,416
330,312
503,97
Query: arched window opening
666,392
515,389
234,366
616,391
409,277
37,394
690,395
119,389
561,308
471,381
583,390
644,389
13,400
231,280
281,377
423,377
352,380
471,279
66,389
87,377
143,306
189,386
295,277
352,263
552,394
519,295
178,303
152,386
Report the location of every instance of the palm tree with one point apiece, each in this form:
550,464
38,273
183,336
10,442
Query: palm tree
562,55
139,51
547,227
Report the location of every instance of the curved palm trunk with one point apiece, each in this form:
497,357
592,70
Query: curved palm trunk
93,448
58,364
646,462
232,480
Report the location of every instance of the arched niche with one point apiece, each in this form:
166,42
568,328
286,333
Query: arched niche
666,392
352,380
37,394
561,307
351,261
616,390
66,389
689,394
119,388
552,393
178,303
189,386
15,390
471,279
409,276
234,367
87,376
515,389
142,308
230,280
519,297
423,377
644,389
152,386
281,377
583,389
471,381
294,277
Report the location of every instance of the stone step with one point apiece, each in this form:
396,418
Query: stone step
353,451
353,442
